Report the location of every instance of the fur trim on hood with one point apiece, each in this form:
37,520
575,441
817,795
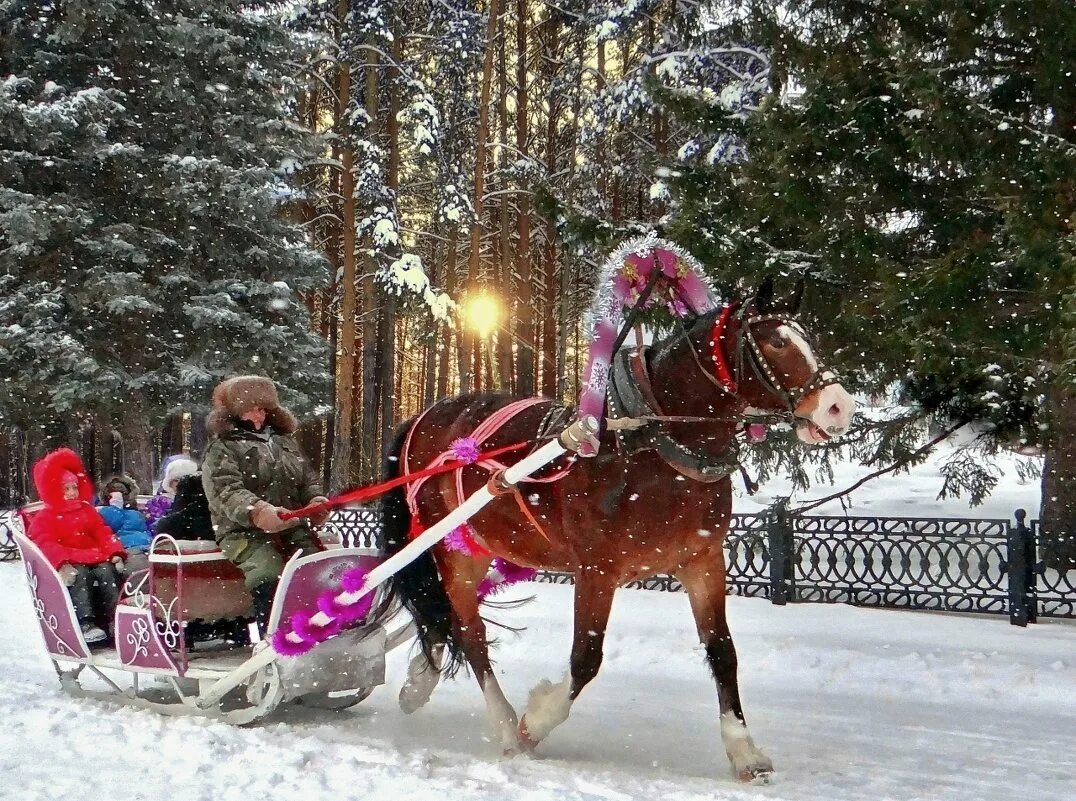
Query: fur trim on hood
48,477
127,485
176,467
236,396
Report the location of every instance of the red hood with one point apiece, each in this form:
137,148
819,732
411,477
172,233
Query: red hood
48,477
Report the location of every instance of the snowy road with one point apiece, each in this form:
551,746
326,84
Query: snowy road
851,705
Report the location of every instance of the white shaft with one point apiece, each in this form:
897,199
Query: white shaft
439,530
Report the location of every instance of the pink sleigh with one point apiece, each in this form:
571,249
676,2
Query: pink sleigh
210,679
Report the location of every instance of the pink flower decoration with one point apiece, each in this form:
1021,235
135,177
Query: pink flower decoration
460,539
465,449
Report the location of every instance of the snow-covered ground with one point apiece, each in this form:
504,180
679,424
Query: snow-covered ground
851,704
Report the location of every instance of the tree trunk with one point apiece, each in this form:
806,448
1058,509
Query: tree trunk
386,336
199,434
468,378
501,341
1057,540
450,288
549,258
7,493
341,455
524,381
137,436
107,455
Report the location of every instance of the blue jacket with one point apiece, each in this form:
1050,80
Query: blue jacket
128,525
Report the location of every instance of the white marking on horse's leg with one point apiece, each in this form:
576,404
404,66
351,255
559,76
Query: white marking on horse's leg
422,679
748,762
502,717
547,707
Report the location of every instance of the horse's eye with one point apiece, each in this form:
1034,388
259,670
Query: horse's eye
778,342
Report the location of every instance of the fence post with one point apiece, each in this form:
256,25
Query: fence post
1021,546
780,547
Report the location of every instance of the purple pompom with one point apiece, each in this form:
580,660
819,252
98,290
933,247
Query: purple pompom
461,539
465,449
357,611
285,647
354,579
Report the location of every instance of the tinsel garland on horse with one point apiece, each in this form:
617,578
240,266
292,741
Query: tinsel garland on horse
654,497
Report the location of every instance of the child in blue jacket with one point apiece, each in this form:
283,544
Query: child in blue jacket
120,495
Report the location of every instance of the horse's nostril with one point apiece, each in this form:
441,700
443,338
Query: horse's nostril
834,410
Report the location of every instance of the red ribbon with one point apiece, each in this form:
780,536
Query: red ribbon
721,365
376,490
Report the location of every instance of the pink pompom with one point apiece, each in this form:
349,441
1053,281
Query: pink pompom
356,611
757,432
329,606
465,449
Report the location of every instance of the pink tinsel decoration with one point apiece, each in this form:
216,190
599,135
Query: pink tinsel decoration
342,615
510,573
465,449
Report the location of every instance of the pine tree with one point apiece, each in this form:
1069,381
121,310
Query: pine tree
922,176
144,252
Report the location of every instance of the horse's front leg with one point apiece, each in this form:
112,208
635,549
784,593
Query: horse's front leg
549,704
461,576
704,580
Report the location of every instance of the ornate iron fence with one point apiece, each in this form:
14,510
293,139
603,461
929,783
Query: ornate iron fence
8,551
982,566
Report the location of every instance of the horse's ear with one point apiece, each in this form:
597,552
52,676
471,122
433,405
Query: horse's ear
764,296
797,295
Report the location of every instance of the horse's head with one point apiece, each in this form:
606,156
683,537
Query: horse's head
762,354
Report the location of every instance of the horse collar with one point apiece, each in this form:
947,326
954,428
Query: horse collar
630,394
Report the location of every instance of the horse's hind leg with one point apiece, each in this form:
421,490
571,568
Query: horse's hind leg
422,678
462,576
549,703
704,580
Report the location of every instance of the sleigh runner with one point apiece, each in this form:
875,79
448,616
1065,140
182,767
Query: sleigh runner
187,581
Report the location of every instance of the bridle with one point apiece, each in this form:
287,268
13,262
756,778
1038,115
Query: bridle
747,353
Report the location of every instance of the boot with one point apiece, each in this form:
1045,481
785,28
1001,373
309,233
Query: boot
263,605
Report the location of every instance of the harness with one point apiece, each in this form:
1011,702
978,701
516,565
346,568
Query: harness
470,541
633,405
632,408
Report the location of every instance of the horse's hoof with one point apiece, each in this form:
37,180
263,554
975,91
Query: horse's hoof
527,744
756,777
757,771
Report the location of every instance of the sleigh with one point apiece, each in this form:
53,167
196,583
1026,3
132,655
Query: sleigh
190,584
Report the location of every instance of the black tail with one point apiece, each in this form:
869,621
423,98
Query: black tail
418,586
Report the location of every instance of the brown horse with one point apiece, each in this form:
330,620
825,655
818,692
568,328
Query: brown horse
656,499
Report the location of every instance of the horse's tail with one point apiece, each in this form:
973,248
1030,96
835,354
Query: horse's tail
418,586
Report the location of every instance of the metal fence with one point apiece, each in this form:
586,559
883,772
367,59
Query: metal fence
957,565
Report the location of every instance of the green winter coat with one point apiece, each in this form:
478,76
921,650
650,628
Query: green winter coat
242,467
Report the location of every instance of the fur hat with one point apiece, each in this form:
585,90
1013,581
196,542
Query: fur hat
234,397
176,467
125,484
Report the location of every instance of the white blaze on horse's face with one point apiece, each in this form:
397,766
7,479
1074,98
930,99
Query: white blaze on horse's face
826,412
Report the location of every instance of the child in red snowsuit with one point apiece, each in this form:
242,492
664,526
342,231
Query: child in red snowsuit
75,539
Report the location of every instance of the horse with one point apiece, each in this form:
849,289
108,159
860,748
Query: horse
634,510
